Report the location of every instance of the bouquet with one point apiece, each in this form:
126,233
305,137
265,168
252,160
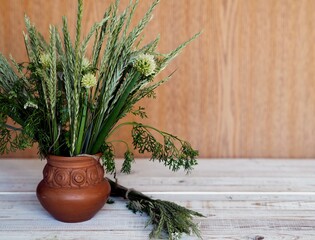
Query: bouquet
69,100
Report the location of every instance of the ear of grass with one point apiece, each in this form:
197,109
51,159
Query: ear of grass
68,63
99,41
52,87
78,26
33,46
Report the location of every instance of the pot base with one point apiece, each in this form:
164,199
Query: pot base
73,205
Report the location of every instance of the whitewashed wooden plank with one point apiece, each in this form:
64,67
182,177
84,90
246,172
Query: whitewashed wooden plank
136,235
192,184
25,207
207,196
73,235
206,167
220,184
235,175
220,228
236,167
55,235
270,210
214,226
233,210
189,185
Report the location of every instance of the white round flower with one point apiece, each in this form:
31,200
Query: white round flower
88,80
145,64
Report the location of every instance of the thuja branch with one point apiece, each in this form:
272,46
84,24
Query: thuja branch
168,219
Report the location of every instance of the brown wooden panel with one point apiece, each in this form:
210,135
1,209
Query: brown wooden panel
245,88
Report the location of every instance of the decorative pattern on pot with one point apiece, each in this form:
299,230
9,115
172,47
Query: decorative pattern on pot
72,178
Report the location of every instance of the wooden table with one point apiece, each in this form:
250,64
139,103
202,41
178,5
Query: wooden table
242,199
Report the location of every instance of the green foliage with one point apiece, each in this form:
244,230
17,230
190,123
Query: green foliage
173,152
140,112
129,159
12,138
108,158
169,220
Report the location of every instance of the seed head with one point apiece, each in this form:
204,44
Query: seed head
88,80
145,64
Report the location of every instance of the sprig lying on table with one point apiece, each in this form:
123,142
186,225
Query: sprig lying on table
169,220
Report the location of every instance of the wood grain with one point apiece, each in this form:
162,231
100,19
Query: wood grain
239,202
217,175
245,88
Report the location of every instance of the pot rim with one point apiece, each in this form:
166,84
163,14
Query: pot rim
62,161
74,157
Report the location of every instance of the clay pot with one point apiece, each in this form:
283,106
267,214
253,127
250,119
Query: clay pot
73,188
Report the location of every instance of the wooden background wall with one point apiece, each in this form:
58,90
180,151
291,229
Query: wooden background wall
245,88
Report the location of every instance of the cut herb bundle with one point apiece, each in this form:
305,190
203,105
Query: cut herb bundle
167,218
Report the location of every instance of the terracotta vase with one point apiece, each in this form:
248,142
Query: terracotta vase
74,188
